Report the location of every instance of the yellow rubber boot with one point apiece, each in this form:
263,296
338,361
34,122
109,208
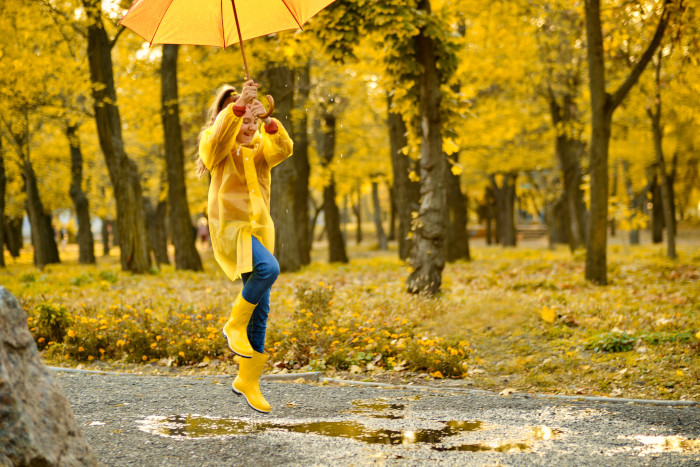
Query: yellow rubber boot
247,381
235,327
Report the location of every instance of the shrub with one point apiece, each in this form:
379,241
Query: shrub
319,337
50,324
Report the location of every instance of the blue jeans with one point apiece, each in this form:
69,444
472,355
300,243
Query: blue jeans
256,289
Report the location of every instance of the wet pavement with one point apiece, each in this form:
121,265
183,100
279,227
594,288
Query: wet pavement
178,421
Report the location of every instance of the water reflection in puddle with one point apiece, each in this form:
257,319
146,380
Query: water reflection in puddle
377,409
198,427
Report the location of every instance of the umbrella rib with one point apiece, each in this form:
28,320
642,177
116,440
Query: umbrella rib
223,31
159,22
292,13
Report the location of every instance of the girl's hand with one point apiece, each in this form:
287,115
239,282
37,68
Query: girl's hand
257,109
248,94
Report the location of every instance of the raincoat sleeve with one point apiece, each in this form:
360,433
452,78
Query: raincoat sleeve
276,147
218,140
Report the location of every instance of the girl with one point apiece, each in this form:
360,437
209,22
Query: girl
239,158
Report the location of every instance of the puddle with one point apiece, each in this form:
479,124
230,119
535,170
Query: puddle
482,447
377,409
199,427
658,444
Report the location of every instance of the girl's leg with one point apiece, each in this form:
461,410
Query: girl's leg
256,289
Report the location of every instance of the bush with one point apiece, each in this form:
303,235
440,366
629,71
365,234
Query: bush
319,337
50,324
183,336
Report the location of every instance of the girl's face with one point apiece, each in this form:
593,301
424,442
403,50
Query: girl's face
248,128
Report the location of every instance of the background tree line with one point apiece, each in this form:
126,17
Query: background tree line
579,114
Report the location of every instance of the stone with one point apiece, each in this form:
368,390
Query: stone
37,426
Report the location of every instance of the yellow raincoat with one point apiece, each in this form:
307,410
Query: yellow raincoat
239,194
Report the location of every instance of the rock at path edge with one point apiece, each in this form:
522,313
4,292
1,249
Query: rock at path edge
37,426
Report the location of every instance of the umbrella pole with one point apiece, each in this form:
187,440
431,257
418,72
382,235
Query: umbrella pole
240,40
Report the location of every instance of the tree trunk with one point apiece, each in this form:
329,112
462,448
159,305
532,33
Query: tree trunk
602,107
123,172
280,80
666,187
392,214
504,196
487,212
182,233
105,236
336,242
381,237
614,193
456,235
43,234
357,211
636,202
2,206
302,167
428,258
657,210
160,246
13,235
86,242
406,193
569,150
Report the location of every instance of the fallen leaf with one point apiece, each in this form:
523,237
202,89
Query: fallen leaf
506,392
548,314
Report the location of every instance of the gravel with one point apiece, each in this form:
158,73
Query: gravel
189,420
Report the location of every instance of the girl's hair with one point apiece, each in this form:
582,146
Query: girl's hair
223,93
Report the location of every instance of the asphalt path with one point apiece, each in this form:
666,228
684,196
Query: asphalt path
190,421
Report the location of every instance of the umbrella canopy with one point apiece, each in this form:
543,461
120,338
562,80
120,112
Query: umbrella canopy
213,22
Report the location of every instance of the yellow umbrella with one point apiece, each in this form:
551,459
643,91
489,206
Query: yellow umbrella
219,23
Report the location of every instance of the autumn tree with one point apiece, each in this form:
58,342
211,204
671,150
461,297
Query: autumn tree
186,256
560,30
30,83
86,245
124,175
603,105
415,40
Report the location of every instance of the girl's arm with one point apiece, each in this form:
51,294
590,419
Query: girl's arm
277,145
217,141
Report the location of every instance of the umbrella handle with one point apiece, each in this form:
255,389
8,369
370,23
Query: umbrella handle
270,108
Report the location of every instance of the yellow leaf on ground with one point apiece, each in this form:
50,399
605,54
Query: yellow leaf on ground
548,314
697,336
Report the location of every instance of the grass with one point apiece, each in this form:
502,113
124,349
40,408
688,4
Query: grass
521,318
